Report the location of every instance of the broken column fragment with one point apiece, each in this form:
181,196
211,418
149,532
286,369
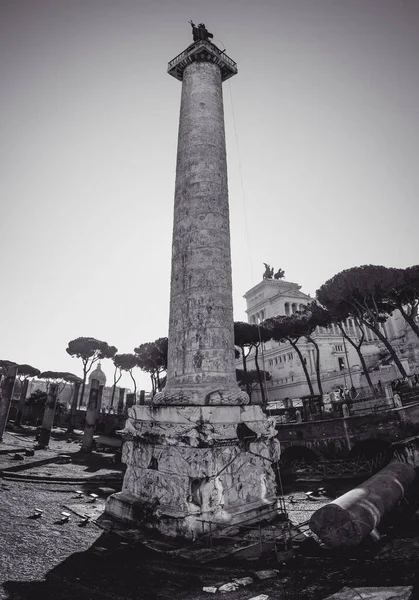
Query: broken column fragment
346,521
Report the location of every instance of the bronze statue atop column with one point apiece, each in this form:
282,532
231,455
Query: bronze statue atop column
200,33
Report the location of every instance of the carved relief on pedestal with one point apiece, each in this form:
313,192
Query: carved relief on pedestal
200,459
207,479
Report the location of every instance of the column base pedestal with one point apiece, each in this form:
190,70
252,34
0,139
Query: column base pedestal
191,466
126,507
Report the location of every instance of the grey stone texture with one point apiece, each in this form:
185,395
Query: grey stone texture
196,463
6,393
199,455
348,520
374,593
201,365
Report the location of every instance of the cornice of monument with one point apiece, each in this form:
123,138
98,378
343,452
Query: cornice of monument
280,285
202,51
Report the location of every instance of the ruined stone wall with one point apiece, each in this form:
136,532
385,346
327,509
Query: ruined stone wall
336,437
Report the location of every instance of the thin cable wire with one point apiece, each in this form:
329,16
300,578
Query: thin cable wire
241,185
246,226
249,252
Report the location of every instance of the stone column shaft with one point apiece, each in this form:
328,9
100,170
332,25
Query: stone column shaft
7,387
74,404
22,400
129,401
91,416
49,413
201,361
121,400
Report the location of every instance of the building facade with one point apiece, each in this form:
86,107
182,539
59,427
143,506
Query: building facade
339,361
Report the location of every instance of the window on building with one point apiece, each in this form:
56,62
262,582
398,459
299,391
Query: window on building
341,363
287,308
294,307
276,360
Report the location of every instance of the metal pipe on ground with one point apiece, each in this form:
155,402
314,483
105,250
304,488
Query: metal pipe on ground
346,521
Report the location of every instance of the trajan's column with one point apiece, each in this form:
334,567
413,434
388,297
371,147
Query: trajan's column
200,453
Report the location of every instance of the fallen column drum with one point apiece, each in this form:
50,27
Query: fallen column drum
346,521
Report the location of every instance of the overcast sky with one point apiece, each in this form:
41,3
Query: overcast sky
326,105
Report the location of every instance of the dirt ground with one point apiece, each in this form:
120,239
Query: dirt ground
44,559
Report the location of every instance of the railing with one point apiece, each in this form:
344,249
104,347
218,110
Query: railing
186,52
336,469
177,58
264,537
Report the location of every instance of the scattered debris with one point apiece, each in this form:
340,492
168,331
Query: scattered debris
242,581
85,521
266,574
229,587
63,459
372,593
18,457
94,497
106,491
260,597
79,493
209,589
38,512
99,549
29,452
65,517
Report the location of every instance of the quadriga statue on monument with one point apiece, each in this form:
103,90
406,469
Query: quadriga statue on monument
268,274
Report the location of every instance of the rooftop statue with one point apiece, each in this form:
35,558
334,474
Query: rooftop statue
200,33
268,274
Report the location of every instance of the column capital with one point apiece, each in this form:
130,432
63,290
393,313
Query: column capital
202,51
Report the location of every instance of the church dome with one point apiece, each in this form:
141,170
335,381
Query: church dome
99,375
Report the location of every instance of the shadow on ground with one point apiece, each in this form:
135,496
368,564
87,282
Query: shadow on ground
96,461
111,570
